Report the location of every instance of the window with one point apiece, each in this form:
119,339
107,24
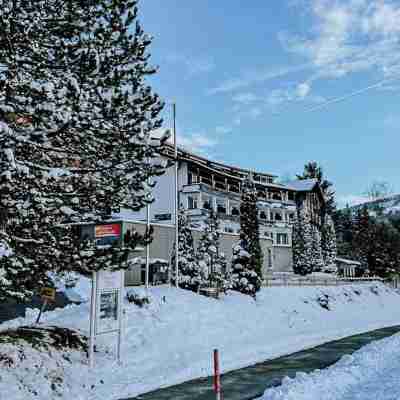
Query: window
207,202
282,238
221,206
278,217
276,196
192,203
269,258
291,217
291,196
263,215
235,210
228,230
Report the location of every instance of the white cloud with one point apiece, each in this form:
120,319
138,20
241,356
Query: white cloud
303,89
196,142
298,93
255,112
250,78
223,130
245,98
237,121
192,65
349,36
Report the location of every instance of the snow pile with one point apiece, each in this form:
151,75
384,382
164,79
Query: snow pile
42,369
370,373
171,339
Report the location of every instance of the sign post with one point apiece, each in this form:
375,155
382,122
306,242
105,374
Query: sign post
106,308
47,294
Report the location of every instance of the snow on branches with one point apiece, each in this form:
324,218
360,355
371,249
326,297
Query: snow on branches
76,117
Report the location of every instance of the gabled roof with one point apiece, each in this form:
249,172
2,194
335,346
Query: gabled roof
347,261
304,185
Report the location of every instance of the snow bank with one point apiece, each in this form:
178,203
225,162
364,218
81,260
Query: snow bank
370,373
171,339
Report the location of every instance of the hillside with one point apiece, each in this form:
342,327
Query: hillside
387,206
171,339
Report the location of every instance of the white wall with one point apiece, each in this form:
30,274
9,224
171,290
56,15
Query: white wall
164,195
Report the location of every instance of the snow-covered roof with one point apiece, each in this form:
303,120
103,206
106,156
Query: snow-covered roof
304,185
142,260
346,261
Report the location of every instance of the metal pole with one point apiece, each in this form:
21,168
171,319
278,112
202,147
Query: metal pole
41,311
148,244
176,196
92,319
147,248
120,313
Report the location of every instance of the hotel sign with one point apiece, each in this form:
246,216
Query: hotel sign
107,234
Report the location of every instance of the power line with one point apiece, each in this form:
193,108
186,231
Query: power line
342,98
350,95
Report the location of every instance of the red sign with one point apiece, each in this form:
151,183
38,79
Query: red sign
23,120
110,230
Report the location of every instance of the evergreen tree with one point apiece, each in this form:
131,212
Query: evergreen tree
363,237
75,121
328,244
190,274
209,256
317,259
247,259
302,244
344,227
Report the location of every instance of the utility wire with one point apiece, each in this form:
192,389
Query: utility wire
350,95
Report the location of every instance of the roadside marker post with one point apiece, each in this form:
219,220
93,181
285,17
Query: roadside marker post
217,377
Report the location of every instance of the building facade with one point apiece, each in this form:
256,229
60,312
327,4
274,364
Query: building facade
205,185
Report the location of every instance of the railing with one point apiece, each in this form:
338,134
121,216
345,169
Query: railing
292,281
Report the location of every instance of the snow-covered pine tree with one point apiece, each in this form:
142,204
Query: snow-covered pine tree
75,120
363,237
33,108
328,243
247,259
190,274
302,244
209,256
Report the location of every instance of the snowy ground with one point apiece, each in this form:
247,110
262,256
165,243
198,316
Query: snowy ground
171,339
370,373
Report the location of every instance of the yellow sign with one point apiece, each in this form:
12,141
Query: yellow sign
48,293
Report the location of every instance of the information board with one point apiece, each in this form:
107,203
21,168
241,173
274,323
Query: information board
106,308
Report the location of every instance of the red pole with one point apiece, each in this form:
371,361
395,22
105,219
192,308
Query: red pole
217,378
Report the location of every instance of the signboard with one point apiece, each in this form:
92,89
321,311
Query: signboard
107,234
109,280
106,307
48,293
109,285
107,312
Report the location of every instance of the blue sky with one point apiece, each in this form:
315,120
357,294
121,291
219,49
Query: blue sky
271,85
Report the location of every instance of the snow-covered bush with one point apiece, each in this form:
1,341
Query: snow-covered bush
247,261
137,299
190,272
212,262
